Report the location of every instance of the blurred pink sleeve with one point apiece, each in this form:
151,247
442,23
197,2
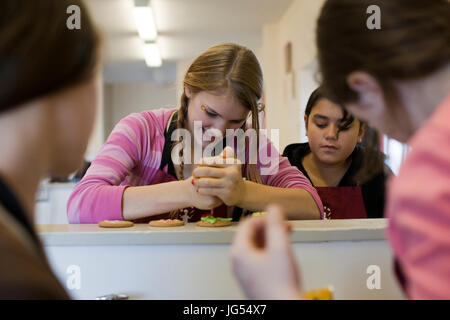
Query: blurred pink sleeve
418,208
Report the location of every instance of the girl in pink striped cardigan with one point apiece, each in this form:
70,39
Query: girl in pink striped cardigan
143,173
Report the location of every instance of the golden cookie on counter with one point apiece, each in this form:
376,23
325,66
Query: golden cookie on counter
166,223
211,221
115,224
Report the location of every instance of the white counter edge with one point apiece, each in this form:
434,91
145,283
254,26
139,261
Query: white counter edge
303,231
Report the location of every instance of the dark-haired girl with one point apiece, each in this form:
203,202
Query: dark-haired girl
332,158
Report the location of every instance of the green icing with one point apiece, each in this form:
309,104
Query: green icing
209,219
257,214
212,220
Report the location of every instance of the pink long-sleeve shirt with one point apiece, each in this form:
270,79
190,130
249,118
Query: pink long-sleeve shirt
132,156
418,208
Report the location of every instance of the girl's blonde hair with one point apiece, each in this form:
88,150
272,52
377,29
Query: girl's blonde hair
227,66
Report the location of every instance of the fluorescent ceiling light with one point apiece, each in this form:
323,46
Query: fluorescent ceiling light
152,55
145,23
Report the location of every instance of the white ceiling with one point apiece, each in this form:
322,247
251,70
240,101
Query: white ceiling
185,27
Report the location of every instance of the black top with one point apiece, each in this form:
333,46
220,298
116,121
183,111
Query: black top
166,159
11,204
373,191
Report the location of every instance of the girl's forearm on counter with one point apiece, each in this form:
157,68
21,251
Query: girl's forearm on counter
298,204
144,201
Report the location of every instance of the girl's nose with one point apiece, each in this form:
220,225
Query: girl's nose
332,132
221,125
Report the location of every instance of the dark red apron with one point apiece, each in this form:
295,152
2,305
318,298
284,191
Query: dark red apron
342,202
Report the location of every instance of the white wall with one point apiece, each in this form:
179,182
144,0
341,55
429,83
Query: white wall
125,98
182,67
97,136
284,92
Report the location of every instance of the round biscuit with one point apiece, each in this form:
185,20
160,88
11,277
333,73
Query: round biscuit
115,224
214,225
166,223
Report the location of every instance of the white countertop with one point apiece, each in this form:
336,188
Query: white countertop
143,234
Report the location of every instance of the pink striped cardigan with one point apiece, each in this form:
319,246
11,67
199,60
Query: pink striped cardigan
418,208
132,155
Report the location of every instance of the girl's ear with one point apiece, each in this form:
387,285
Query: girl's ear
370,94
362,131
187,92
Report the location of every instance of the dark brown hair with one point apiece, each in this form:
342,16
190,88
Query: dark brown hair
413,42
317,95
39,54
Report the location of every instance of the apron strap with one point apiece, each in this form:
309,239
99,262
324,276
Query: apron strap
166,159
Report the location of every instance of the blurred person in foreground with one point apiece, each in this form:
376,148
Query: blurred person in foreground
397,79
47,110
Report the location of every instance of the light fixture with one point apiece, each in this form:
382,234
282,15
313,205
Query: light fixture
146,26
145,23
152,55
